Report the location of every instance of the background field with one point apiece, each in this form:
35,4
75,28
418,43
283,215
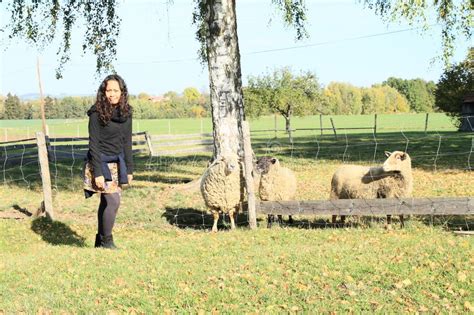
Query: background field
169,262
14,129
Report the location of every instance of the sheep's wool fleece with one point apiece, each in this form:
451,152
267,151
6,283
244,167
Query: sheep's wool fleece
356,182
278,184
221,191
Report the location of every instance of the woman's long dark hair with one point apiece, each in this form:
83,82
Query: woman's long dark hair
104,108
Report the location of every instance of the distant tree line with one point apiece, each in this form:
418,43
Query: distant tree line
191,103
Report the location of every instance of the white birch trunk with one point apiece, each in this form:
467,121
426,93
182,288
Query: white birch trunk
225,78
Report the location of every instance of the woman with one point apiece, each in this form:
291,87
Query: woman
109,160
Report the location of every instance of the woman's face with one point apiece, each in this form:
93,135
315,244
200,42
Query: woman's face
113,92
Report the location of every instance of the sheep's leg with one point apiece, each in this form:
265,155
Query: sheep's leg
280,220
290,219
334,219
343,219
216,218
389,222
232,219
270,219
402,221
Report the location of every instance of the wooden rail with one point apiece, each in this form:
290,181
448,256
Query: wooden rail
415,206
169,145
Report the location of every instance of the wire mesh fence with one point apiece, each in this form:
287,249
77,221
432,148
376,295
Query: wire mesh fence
165,189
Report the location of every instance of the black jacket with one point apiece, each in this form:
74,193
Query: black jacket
111,139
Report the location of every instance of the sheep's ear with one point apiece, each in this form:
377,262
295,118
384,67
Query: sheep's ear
403,156
273,160
387,153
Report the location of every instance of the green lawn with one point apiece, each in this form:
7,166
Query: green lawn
53,268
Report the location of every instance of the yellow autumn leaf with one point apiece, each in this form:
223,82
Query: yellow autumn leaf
406,282
462,276
468,306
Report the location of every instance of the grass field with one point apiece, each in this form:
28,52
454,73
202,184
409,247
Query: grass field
170,263
14,129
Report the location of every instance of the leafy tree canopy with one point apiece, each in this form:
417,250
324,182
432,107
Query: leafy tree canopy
455,83
419,93
282,92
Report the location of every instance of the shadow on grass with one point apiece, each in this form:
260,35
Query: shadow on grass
56,233
195,219
163,179
449,222
22,210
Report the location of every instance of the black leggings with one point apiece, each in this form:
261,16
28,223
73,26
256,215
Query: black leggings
108,208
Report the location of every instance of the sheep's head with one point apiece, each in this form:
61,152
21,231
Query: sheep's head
265,163
231,163
396,161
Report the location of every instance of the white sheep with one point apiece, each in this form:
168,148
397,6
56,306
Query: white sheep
393,179
221,188
277,183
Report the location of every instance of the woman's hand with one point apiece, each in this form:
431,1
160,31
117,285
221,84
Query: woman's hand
100,182
130,178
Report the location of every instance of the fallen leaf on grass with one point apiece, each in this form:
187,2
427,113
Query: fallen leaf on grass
468,306
462,276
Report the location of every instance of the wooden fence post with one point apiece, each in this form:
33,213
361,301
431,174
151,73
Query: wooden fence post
276,126
426,122
375,124
333,128
149,144
45,176
321,123
249,183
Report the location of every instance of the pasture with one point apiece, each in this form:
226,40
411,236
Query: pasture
170,263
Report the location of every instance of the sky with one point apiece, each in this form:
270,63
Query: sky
157,49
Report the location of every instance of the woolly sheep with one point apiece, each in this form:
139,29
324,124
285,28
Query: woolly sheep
221,188
277,183
393,179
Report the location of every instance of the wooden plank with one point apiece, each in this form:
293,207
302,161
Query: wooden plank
45,176
141,142
249,182
68,139
415,206
19,140
464,233
333,128
185,143
148,143
180,136
181,151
